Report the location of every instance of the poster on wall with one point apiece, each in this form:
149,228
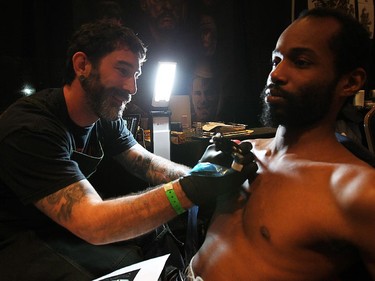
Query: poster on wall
366,14
363,10
348,6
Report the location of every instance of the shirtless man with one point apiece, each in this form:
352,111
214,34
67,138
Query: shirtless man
310,212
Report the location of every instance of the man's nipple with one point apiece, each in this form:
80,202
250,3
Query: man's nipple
265,233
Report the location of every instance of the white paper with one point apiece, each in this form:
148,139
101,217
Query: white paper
210,126
150,270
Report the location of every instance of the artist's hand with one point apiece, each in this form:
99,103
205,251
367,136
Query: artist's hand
206,182
228,153
246,158
214,155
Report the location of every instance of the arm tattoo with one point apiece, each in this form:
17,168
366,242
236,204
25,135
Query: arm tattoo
150,167
140,165
64,200
162,171
154,170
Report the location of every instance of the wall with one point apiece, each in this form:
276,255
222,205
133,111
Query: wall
36,35
258,24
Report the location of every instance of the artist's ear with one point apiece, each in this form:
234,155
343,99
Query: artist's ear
81,64
354,81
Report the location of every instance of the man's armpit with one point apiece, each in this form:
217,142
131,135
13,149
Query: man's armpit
59,205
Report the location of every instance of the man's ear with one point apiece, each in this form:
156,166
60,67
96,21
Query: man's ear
81,64
354,81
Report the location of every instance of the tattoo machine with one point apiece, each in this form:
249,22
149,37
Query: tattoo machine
238,150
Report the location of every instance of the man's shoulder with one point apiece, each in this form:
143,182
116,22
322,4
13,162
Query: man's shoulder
44,103
353,185
43,111
110,128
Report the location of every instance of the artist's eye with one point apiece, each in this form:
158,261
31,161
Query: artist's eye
122,71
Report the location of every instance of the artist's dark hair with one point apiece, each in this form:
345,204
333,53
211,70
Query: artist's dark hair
351,44
99,38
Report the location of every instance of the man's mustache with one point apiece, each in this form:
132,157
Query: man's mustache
275,90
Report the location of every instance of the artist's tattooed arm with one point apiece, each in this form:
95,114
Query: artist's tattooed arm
60,205
150,167
80,210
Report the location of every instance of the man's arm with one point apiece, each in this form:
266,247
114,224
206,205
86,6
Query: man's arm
357,196
80,209
149,166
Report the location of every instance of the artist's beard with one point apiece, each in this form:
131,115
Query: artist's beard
101,98
301,109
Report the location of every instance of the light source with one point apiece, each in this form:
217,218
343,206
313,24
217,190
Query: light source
160,114
163,84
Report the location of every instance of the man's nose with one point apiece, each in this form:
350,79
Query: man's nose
130,85
279,73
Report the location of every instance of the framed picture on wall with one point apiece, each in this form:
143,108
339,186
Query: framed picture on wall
366,14
363,10
348,6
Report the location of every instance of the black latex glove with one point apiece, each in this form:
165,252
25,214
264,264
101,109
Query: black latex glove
224,151
215,156
206,181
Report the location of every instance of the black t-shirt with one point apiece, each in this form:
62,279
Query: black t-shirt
40,152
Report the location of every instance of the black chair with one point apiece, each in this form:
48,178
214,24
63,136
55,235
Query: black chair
132,122
358,150
369,125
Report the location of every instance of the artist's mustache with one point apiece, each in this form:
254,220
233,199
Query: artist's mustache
123,94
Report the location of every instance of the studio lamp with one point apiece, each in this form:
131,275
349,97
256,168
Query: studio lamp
160,113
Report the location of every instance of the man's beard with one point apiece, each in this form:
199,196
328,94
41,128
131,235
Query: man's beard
301,109
101,98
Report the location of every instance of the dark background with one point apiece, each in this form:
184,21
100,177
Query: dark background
35,35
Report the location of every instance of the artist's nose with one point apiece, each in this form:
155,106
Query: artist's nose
130,85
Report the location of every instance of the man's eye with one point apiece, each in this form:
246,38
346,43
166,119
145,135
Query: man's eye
302,63
275,62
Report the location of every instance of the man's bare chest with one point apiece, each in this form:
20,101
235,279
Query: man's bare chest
294,207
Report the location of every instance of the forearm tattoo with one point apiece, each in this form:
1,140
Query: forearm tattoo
62,201
140,165
162,171
154,169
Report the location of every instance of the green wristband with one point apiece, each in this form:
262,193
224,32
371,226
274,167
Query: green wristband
172,197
